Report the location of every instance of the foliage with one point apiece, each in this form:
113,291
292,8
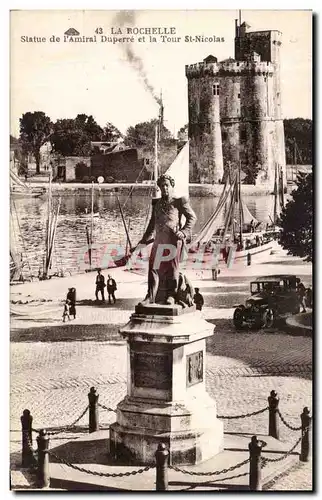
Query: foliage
143,134
300,131
183,133
35,129
72,137
297,219
111,133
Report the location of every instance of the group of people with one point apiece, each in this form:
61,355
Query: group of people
304,296
110,285
70,302
70,305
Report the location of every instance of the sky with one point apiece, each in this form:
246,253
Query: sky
64,79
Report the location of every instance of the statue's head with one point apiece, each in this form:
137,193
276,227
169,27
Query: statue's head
166,184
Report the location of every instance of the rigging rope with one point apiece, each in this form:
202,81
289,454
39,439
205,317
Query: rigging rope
22,238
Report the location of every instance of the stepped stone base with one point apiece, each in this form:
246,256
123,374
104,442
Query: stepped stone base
166,398
191,432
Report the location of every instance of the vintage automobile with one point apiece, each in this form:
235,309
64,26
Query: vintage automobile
272,297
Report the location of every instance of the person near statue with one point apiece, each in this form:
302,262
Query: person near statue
71,299
111,287
100,284
169,240
198,300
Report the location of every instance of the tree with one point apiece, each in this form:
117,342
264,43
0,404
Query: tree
298,141
89,126
143,134
183,133
111,133
297,219
35,129
72,137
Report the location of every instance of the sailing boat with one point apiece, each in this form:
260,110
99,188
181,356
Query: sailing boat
19,189
51,226
240,238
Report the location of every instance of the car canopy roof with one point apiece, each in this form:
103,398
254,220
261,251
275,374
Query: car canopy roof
275,277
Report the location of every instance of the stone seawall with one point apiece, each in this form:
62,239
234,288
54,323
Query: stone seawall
203,190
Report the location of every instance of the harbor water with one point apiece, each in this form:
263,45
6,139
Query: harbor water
28,225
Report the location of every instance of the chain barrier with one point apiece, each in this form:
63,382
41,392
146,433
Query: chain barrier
106,408
287,424
266,460
215,473
257,412
64,428
100,474
229,478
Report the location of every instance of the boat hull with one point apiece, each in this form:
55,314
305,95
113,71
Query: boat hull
257,254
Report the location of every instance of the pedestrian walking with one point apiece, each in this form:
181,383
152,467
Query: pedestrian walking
215,271
71,297
66,311
198,299
111,288
301,295
308,297
100,285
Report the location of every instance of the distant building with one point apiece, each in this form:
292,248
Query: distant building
235,109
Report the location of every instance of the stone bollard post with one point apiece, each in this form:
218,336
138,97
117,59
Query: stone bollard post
249,259
273,422
43,459
306,420
93,410
161,457
26,427
255,470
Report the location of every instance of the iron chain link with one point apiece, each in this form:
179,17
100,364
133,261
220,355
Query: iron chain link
106,408
257,412
65,427
100,474
215,473
287,424
266,460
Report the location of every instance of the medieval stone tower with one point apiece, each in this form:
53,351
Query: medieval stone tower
235,110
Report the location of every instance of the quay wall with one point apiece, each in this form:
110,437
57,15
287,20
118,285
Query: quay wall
202,190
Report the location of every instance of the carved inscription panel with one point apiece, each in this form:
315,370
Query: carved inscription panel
194,368
153,371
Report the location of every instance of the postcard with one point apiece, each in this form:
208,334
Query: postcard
161,247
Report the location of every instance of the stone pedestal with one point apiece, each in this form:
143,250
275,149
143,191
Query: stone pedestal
166,398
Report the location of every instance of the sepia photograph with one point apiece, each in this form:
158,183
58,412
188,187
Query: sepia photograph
161,250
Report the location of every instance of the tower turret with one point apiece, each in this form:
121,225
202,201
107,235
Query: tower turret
206,159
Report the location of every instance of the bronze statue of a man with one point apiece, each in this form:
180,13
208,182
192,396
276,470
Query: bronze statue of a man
169,239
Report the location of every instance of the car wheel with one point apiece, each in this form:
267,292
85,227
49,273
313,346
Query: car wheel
268,318
238,318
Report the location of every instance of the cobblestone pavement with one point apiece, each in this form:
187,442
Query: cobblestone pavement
53,379
53,366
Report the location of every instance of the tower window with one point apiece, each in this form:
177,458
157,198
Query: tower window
243,135
215,89
238,96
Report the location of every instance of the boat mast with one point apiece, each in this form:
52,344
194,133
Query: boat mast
156,163
124,223
53,234
48,227
92,213
240,207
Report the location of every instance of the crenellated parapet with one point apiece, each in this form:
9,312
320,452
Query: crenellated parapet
230,68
